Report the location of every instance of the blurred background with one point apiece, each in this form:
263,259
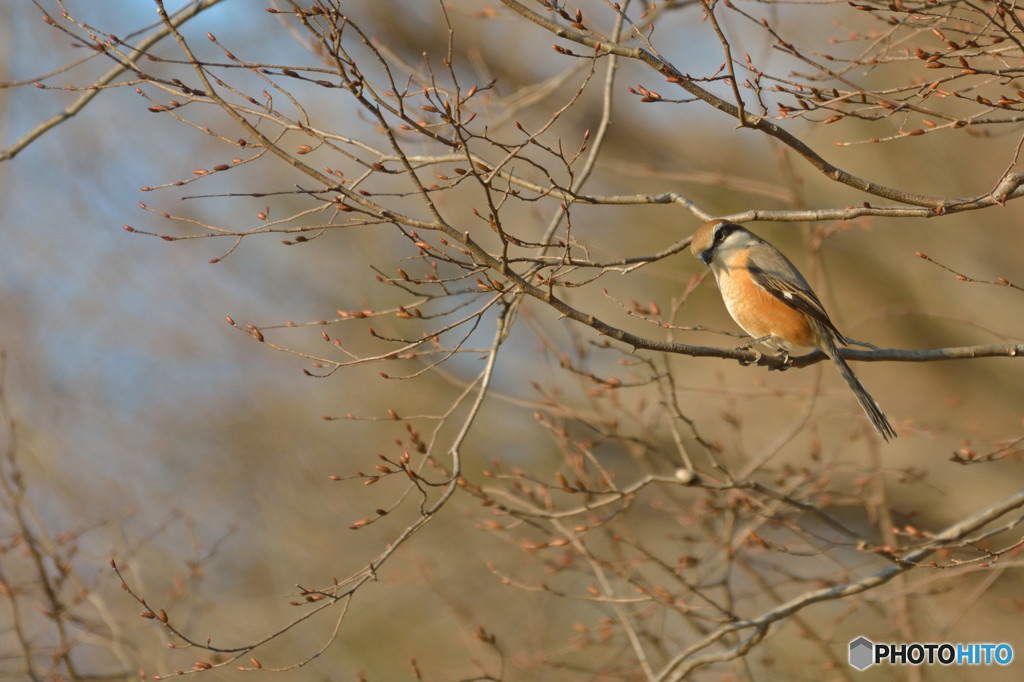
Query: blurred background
149,430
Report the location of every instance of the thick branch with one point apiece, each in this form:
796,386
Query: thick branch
748,120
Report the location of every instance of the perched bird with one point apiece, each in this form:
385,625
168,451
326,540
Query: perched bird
771,301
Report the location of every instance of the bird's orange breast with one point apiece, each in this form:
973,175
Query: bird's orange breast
761,314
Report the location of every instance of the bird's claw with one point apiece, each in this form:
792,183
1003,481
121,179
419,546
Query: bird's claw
787,362
756,359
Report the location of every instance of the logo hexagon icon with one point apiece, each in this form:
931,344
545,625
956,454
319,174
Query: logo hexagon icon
861,653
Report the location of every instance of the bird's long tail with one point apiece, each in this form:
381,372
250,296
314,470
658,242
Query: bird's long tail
867,403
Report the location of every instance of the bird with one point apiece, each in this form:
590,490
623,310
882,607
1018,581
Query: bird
772,302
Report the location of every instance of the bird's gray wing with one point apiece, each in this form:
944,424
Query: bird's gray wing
791,288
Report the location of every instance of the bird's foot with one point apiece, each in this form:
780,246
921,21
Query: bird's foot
750,346
783,356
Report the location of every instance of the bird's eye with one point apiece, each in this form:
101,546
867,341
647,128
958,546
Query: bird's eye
721,232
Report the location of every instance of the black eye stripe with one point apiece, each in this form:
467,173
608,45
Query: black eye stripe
723,230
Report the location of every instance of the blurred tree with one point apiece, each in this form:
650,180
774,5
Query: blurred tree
526,464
